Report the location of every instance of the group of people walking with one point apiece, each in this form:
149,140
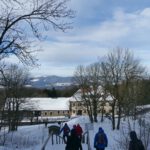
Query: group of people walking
73,137
101,141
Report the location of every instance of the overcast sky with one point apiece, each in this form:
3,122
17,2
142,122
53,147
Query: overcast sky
99,26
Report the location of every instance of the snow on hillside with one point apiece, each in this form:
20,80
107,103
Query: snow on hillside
34,80
33,137
51,81
62,84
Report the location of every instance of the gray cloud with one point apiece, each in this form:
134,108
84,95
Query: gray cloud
62,52
129,30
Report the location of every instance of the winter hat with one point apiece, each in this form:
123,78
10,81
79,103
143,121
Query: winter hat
133,135
100,129
74,126
73,132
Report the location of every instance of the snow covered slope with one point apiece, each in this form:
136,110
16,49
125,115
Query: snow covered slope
50,81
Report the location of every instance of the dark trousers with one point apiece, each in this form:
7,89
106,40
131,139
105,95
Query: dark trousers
65,137
80,146
100,149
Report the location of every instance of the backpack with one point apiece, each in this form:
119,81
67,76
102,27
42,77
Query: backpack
101,138
66,130
79,130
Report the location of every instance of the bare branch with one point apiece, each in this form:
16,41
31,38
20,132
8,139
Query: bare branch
17,21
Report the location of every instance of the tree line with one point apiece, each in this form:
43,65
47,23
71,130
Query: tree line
51,93
118,75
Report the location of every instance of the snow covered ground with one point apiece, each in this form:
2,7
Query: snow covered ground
33,137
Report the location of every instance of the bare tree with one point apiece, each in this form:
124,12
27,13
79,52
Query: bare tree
80,78
119,73
89,83
2,93
21,21
13,79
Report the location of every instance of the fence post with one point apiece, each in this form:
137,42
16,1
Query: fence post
83,139
52,139
89,146
56,139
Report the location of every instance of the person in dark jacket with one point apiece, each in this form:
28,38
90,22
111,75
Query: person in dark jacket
135,143
73,142
100,140
74,128
66,131
79,132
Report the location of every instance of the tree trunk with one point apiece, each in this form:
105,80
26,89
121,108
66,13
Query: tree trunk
95,113
119,118
91,119
113,118
95,117
102,117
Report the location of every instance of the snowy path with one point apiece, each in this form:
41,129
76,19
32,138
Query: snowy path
55,147
61,147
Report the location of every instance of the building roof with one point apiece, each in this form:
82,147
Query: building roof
46,104
78,95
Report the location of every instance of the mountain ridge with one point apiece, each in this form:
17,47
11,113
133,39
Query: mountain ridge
51,81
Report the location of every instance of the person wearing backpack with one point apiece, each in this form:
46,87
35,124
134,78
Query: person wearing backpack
100,140
79,132
66,131
135,143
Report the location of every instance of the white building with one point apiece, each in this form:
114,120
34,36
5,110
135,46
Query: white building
77,106
46,107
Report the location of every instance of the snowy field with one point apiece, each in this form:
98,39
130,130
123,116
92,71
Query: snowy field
33,137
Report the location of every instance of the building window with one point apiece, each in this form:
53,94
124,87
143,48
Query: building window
37,113
58,112
110,110
79,104
51,113
45,113
63,112
107,104
79,112
74,111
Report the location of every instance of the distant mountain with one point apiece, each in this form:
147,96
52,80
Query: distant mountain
50,81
